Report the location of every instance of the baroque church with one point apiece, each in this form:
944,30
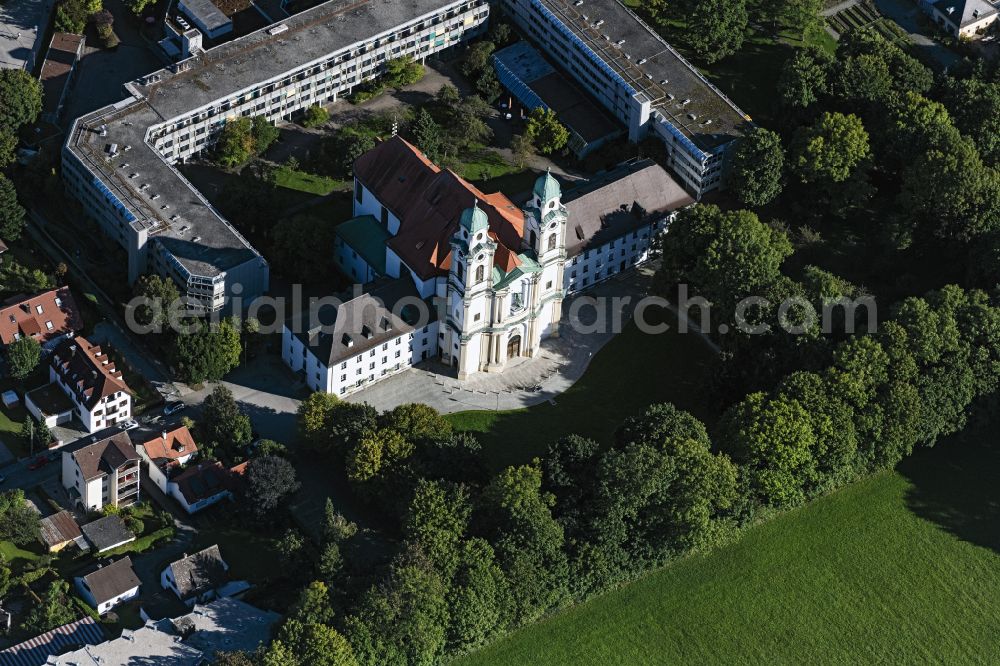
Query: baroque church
492,276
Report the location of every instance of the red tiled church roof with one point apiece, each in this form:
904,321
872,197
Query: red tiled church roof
429,202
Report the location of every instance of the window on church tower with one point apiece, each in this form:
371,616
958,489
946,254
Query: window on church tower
460,270
480,273
552,242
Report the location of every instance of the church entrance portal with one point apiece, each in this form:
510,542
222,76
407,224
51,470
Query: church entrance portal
514,347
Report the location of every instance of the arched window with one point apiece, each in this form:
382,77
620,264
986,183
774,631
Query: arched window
552,242
480,273
532,238
460,270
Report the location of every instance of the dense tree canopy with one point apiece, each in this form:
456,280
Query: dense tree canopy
758,167
207,352
716,28
23,356
20,99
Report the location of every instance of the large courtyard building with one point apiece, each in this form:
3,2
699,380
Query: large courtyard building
641,80
119,161
452,273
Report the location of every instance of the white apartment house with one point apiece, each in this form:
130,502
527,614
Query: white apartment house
119,160
88,377
467,277
641,80
101,473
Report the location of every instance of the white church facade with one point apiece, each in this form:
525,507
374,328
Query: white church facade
448,272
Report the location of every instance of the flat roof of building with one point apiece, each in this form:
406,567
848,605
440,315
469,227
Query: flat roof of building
180,217
206,12
20,40
574,108
637,54
367,237
60,59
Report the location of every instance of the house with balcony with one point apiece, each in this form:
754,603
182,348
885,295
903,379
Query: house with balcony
93,383
102,472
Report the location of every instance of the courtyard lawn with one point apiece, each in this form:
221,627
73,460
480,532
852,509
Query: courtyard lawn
903,567
632,371
302,181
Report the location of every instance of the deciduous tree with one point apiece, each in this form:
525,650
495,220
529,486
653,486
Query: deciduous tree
20,99
23,356
545,132
758,167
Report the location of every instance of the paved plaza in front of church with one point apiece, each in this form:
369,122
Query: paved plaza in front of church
525,381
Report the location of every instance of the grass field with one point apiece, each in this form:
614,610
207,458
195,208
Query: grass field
900,568
11,553
307,182
631,372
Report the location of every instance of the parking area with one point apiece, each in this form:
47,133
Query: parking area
103,72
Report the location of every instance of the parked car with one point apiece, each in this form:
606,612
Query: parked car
173,407
128,425
39,462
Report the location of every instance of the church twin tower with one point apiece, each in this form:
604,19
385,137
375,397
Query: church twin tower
501,302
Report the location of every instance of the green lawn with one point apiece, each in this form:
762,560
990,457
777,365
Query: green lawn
250,555
630,372
481,164
306,182
900,568
11,553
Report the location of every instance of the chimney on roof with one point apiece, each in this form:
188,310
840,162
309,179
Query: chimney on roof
163,434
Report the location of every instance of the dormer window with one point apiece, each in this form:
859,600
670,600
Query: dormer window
347,341
367,332
38,309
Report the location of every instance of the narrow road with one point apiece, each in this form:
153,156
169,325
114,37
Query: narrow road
830,11
151,367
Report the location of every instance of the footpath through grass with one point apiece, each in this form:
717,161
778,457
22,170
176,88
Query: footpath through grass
900,568
629,373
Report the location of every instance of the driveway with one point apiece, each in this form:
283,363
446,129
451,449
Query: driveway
908,16
102,72
268,391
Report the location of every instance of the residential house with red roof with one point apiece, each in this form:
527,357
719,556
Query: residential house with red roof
49,317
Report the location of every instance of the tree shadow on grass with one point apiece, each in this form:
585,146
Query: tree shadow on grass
955,484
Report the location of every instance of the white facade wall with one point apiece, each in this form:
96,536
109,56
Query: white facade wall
360,370
351,264
319,82
81,587
110,410
620,254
